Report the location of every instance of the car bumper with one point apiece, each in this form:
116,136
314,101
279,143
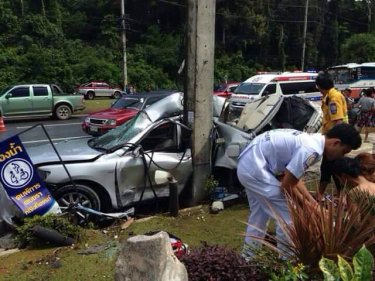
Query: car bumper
96,130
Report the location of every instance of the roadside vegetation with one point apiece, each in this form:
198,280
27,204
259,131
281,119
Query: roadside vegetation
96,105
193,226
75,41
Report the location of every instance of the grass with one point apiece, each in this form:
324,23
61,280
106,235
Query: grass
96,105
192,226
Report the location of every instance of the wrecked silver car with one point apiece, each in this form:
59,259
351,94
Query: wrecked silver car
117,169
235,129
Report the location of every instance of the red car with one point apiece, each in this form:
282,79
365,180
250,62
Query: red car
122,110
95,89
225,89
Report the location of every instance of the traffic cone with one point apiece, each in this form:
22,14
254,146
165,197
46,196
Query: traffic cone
2,125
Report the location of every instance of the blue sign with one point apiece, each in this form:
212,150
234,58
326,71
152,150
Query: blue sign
21,180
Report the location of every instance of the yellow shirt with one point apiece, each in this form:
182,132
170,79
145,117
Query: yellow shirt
334,108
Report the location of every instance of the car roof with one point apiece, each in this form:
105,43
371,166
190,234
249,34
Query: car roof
150,94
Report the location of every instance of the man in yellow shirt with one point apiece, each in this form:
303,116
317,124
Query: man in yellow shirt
335,111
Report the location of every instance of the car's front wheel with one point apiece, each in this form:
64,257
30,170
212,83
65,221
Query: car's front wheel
116,95
90,95
63,112
80,193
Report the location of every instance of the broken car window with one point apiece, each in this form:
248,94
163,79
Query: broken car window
122,134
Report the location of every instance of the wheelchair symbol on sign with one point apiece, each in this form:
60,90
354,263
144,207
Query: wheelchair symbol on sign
17,173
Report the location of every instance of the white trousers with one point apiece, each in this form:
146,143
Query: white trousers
265,201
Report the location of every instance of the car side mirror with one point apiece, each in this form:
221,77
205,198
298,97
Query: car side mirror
265,93
8,96
162,177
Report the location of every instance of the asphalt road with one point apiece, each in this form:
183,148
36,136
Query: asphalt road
57,130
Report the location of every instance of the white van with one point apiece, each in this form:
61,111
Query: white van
288,83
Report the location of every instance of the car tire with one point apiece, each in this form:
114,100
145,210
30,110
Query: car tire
63,112
90,95
79,193
116,95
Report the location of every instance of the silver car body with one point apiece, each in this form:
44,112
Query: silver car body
110,162
117,169
234,130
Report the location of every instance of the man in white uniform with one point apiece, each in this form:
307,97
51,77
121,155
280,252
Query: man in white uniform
275,161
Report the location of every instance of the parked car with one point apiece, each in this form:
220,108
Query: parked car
112,171
225,89
38,100
121,111
94,89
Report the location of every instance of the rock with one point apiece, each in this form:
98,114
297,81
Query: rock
56,264
8,252
217,206
8,241
149,258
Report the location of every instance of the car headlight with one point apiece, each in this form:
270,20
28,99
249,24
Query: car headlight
87,120
43,174
111,122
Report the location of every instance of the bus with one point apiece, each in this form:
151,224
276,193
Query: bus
353,76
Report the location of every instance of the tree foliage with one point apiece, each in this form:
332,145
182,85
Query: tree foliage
359,48
73,41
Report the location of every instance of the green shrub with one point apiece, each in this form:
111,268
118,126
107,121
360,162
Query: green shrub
363,263
55,222
275,268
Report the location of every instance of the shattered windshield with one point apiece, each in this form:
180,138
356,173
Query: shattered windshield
128,103
249,88
122,134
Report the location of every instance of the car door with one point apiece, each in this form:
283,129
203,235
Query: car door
17,101
42,99
161,150
234,132
102,90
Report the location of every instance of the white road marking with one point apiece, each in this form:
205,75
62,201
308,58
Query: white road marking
52,125
58,139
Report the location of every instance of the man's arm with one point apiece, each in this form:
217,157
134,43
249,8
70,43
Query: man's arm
293,186
337,109
336,122
322,188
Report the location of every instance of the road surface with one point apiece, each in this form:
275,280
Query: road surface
57,130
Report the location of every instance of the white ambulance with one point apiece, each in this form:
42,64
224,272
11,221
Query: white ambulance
287,83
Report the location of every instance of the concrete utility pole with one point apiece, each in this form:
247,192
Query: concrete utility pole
123,37
199,87
304,36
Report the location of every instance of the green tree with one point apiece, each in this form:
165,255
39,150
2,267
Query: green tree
359,48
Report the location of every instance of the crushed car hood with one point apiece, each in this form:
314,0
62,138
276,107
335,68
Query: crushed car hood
69,150
79,150
173,105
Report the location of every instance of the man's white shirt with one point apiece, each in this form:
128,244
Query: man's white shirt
272,152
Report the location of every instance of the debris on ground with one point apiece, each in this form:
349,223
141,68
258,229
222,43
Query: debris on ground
127,223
